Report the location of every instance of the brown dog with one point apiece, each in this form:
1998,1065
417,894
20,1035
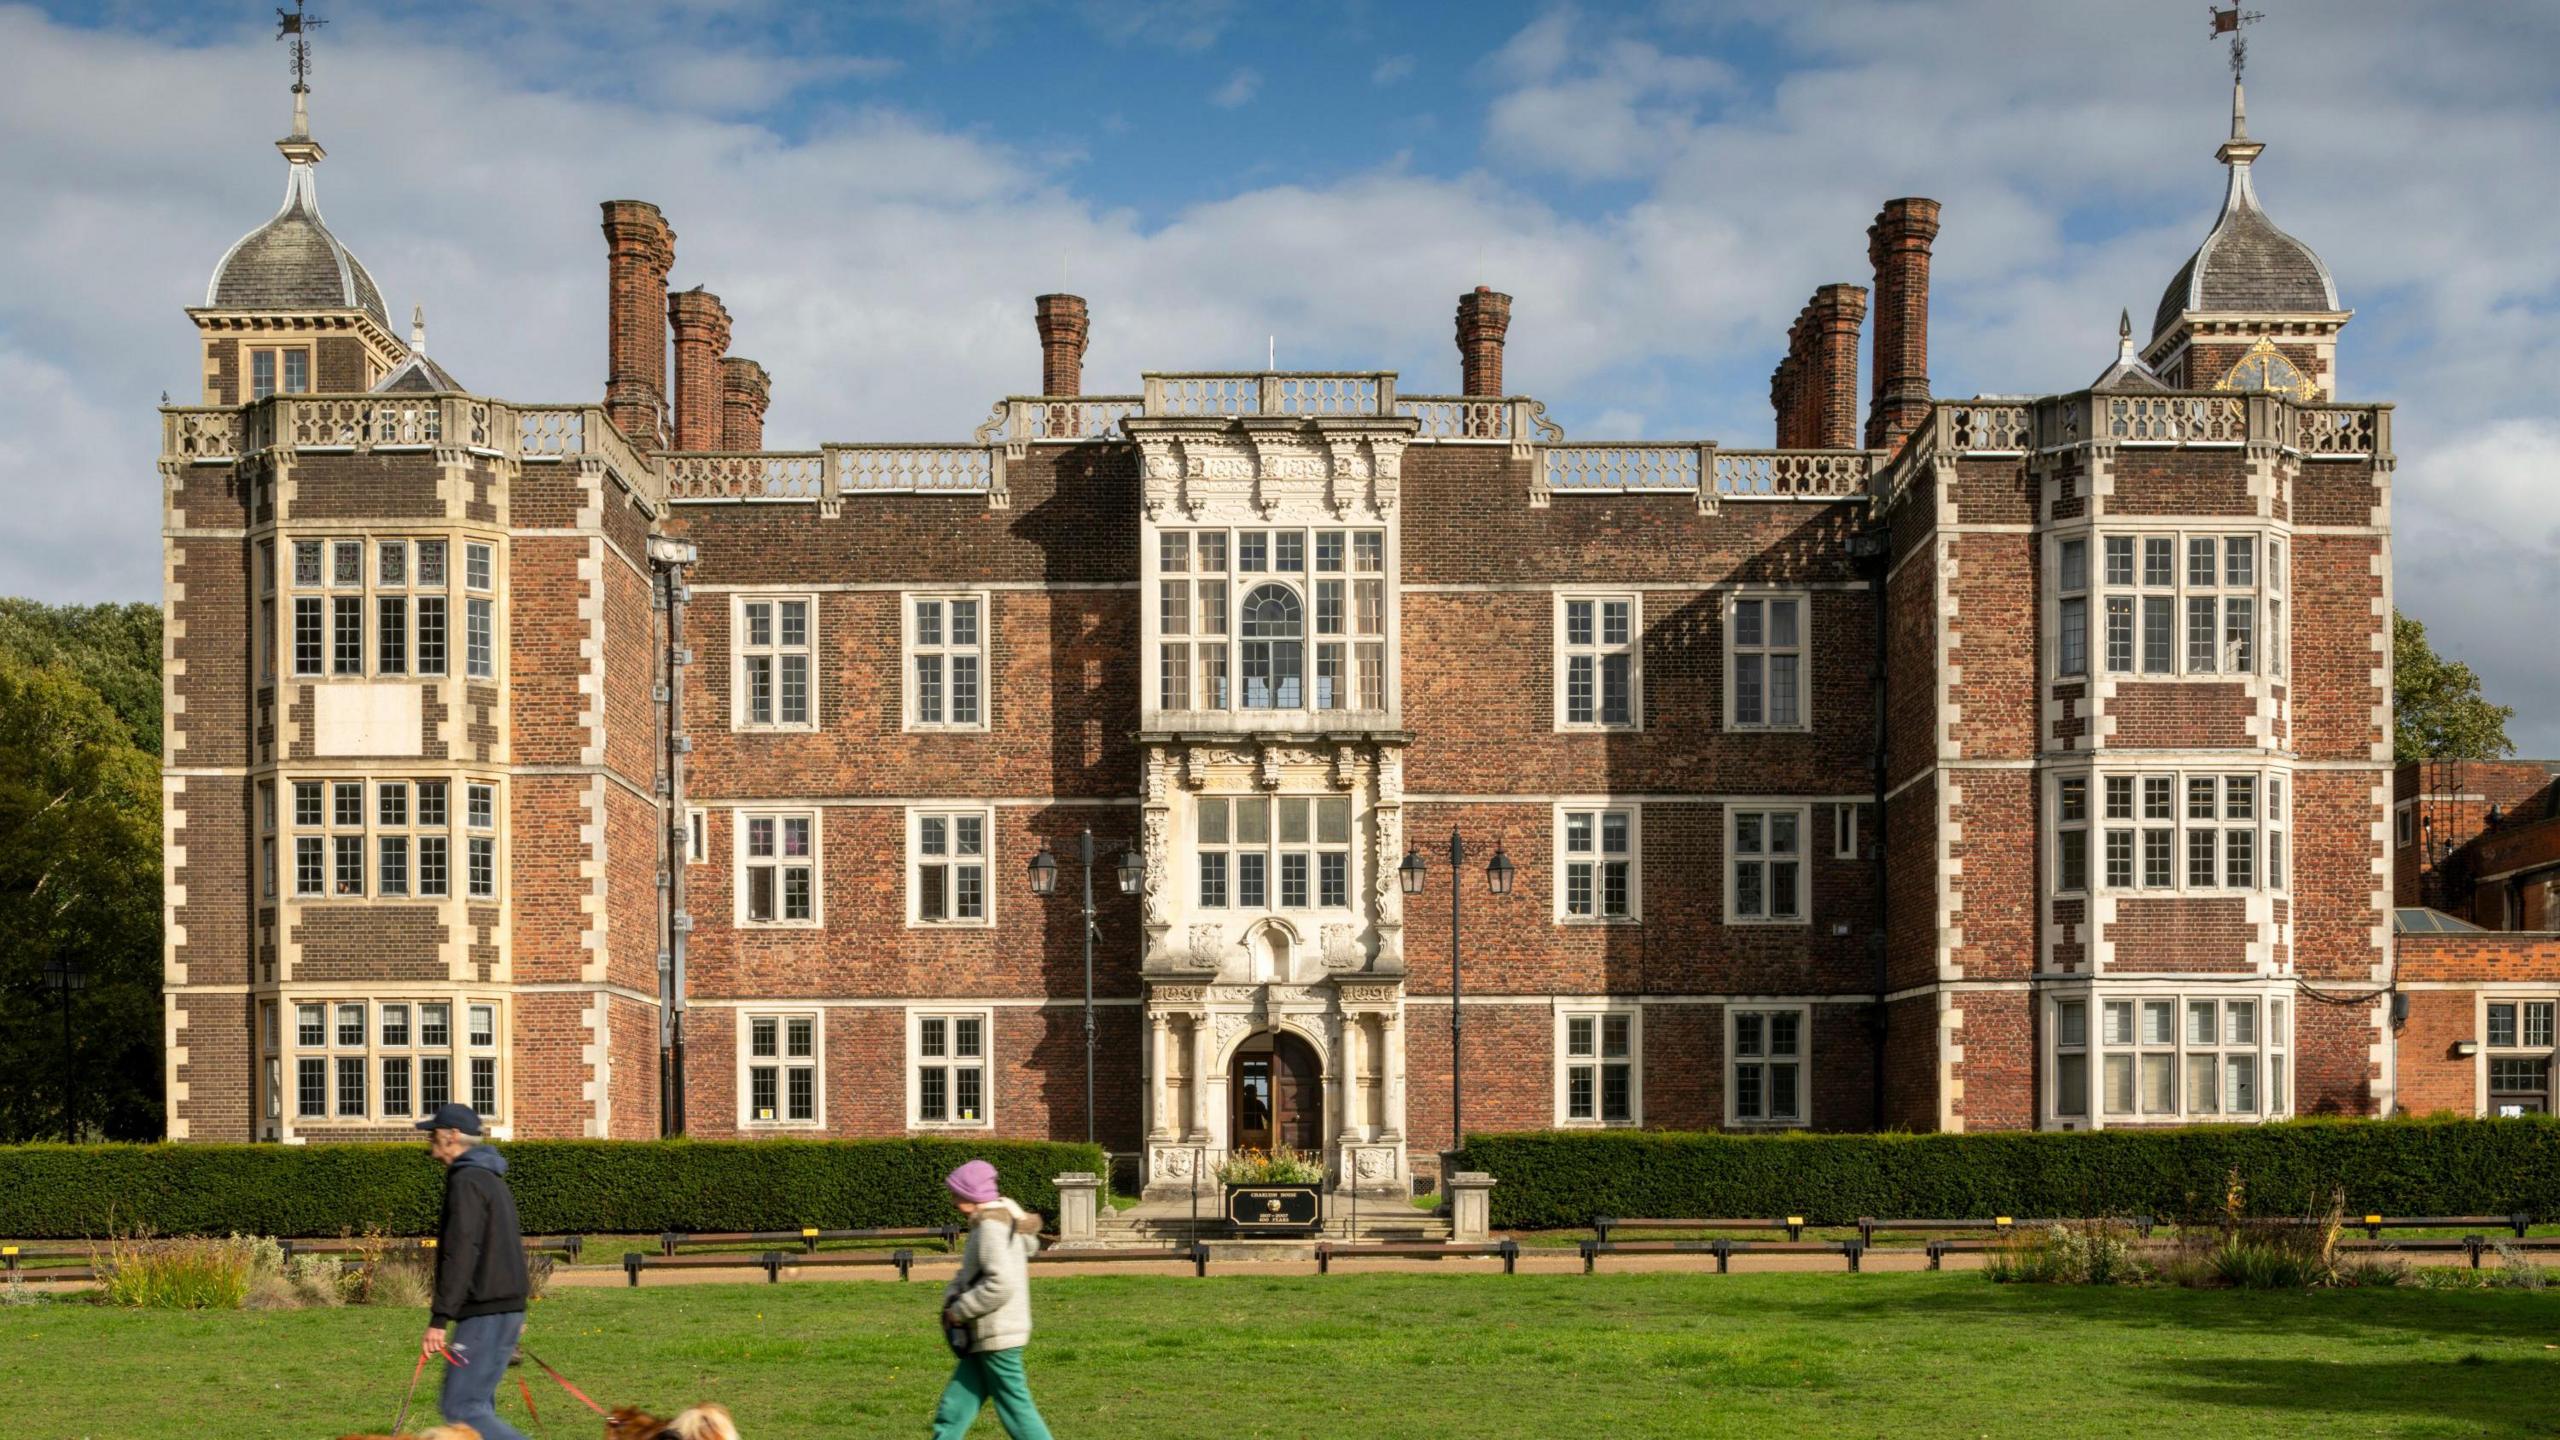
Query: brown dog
702,1422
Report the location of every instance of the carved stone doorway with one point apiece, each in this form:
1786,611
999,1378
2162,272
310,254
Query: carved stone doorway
1276,1095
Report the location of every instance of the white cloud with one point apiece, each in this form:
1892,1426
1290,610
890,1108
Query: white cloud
1391,70
1239,89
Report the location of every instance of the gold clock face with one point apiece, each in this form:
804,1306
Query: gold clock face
2265,368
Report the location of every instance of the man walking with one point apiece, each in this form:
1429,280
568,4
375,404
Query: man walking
990,1299
480,1274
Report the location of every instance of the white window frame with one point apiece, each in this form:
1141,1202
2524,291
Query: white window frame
374,824
1210,634
2265,589
697,835
782,1063
2516,1047
1598,1014
1802,650
917,1062
1734,1119
774,652
2274,1012
1228,847
917,815
910,649
1734,861
740,861
2269,823
285,1049
1599,650
1597,807
1844,829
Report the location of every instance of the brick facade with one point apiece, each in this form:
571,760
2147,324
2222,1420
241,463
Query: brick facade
1841,788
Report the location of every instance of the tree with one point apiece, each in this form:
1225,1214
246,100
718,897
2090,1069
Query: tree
114,649
79,883
2438,712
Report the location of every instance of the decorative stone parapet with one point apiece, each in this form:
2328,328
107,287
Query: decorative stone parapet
1079,1208
1470,1207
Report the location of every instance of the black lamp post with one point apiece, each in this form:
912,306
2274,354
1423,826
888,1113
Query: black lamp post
63,976
1497,876
1044,882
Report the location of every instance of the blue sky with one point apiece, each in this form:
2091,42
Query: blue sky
877,189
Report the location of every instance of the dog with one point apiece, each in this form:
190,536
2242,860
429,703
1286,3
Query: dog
702,1422
441,1432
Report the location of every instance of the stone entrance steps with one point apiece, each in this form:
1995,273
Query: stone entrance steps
1159,1225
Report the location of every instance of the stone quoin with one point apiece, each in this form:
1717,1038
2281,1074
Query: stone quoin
599,767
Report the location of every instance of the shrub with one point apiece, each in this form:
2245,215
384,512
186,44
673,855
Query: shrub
190,1274
2095,1253
2373,1272
1278,1166
595,1187
2433,1167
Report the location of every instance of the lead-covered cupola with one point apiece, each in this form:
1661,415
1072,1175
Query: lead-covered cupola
289,307
2253,308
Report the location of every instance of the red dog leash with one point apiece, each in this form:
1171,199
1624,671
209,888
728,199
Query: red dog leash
558,1379
413,1389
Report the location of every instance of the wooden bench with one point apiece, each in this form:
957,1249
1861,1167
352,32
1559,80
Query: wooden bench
1507,1250
1724,1250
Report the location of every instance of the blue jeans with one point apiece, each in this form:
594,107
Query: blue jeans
485,1343
989,1375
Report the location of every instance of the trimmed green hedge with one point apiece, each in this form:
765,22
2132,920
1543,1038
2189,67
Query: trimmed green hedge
561,1186
1551,1180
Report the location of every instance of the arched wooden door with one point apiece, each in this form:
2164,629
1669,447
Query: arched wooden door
1279,1097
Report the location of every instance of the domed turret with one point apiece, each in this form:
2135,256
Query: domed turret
2249,283
292,263
2246,263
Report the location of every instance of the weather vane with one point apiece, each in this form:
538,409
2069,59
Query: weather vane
2225,22
295,26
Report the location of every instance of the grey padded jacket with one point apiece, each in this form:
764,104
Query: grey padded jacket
992,1292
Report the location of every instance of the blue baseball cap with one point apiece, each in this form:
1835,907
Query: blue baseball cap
452,1116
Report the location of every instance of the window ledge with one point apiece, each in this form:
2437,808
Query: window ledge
1769,922
1599,921
951,924
779,925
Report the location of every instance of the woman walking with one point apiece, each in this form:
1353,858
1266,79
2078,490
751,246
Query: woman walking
986,1310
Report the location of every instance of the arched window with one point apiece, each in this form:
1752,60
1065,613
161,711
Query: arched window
1274,649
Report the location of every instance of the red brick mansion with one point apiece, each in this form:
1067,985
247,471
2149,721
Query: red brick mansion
1998,763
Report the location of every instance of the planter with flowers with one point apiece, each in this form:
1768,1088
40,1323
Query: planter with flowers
1273,1192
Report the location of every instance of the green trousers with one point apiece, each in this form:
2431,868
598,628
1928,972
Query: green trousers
993,1375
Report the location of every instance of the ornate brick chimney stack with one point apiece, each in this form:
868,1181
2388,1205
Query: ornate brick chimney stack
1815,388
640,249
1898,246
1484,317
1064,327
1831,376
744,391
702,336
1785,386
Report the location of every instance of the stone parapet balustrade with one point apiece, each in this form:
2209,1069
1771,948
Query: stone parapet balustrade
766,475
2164,419
1020,419
199,434
368,424
1312,394
1709,471
1459,419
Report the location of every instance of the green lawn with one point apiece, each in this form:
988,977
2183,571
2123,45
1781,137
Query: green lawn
1468,1357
